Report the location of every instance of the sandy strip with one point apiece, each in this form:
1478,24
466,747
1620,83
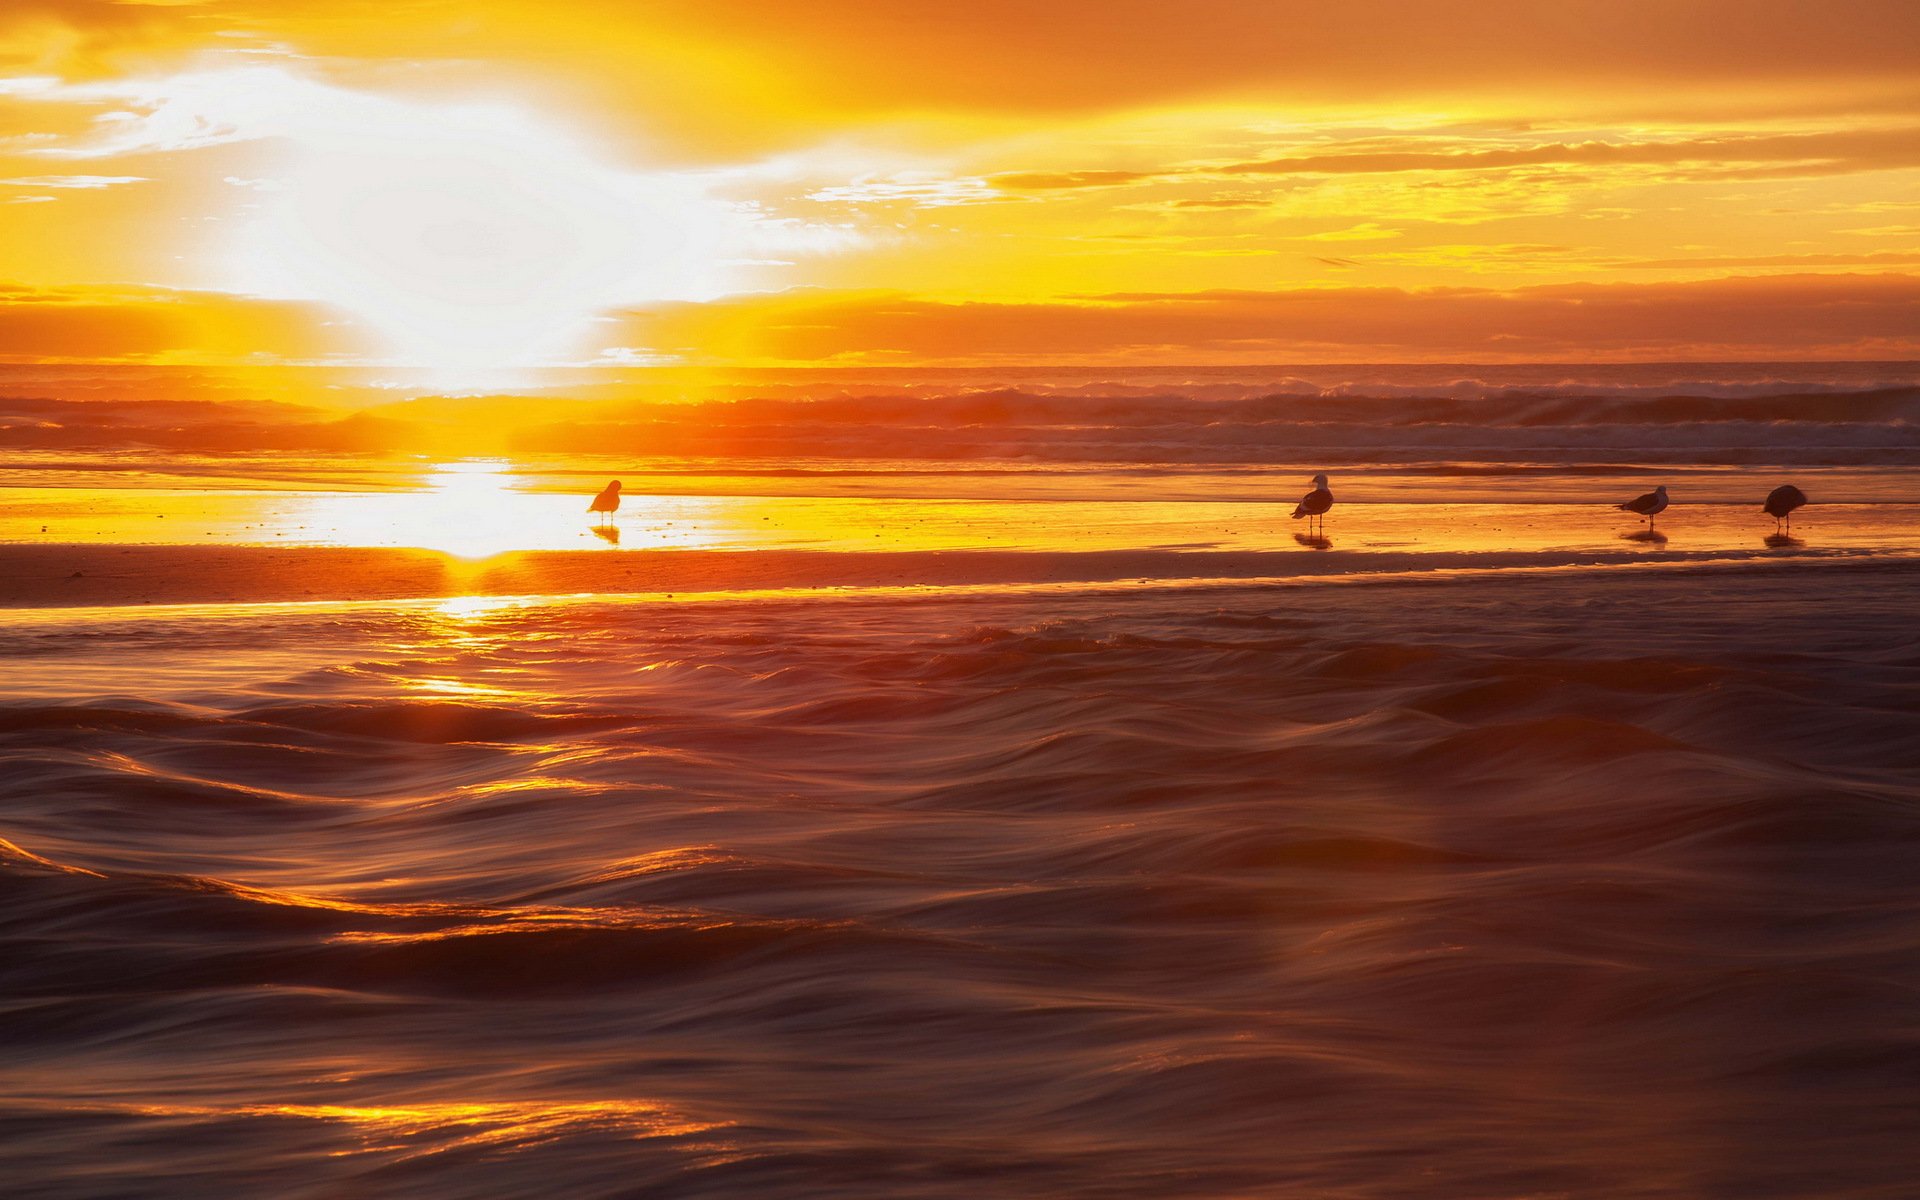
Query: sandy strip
62,576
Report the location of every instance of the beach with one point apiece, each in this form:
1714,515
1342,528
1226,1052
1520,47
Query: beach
1501,883
875,601
1010,826
78,535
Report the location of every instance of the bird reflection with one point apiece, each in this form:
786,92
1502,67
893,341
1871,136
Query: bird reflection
609,534
1783,541
1314,541
1653,537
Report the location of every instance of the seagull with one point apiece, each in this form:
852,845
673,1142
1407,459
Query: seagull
1649,506
1781,502
608,501
1316,502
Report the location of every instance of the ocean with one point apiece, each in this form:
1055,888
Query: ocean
973,788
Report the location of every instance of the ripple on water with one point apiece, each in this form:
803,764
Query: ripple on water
1402,889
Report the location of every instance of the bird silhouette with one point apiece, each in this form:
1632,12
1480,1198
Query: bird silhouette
1315,503
1649,506
608,501
1780,504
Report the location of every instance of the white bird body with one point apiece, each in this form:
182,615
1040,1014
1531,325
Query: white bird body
1316,502
1649,506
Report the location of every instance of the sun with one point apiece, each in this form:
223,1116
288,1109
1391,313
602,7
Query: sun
474,238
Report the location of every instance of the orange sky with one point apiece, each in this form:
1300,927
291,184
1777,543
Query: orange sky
470,185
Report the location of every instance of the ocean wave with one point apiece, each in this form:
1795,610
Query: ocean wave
1574,884
1857,415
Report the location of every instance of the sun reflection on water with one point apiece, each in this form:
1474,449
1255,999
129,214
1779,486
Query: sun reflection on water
435,1127
468,509
466,608
473,509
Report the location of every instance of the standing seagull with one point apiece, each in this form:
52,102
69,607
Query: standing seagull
1781,502
608,501
1316,502
1649,506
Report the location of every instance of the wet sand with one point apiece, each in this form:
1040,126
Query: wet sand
69,576
480,529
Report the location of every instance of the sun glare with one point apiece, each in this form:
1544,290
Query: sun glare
470,239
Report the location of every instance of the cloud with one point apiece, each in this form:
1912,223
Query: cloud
1023,181
1819,153
142,324
84,38
1366,231
1015,56
920,189
1222,202
992,148
755,75
1884,258
74,182
1813,316
1534,165
209,107
1804,316
1482,256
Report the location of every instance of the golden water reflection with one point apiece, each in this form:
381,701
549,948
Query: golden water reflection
434,1127
472,510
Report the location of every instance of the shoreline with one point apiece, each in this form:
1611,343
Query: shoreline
69,576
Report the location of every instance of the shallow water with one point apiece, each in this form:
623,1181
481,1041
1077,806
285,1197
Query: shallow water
475,509
1585,883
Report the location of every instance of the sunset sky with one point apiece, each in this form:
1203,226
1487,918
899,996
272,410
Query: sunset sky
467,184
